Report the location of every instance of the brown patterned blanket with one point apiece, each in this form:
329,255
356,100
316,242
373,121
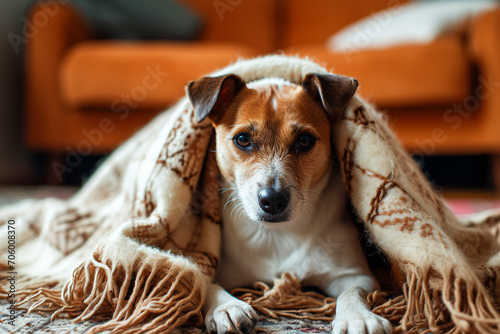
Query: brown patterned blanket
137,245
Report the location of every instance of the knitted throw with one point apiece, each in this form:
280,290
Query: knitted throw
138,244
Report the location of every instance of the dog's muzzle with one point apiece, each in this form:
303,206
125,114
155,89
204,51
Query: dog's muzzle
274,203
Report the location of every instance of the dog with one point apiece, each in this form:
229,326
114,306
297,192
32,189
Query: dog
283,200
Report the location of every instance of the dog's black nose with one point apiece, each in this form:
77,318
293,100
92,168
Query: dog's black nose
272,201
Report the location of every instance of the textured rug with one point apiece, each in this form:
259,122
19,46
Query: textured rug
36,323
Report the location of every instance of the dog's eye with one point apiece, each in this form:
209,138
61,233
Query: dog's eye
305,142
243,140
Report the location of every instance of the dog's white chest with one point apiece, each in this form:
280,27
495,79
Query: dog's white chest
251,254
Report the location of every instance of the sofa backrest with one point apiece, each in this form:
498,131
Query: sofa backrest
270,25
247,22
313,21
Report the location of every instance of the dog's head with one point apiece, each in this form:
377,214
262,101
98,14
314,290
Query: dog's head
273,137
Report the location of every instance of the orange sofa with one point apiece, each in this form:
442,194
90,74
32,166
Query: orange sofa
90,95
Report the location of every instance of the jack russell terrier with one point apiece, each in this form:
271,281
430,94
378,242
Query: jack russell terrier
284,201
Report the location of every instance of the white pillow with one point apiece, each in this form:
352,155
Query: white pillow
416,22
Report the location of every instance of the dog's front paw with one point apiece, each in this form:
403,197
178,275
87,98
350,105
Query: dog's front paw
364,322
233,316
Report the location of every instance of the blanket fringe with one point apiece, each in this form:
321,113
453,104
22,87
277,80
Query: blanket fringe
145,295
287,299
455,308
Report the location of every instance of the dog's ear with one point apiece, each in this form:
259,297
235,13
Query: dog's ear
331,90
211,94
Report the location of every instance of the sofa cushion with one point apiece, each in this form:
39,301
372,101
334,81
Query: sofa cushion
409,75
141,75
413,23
